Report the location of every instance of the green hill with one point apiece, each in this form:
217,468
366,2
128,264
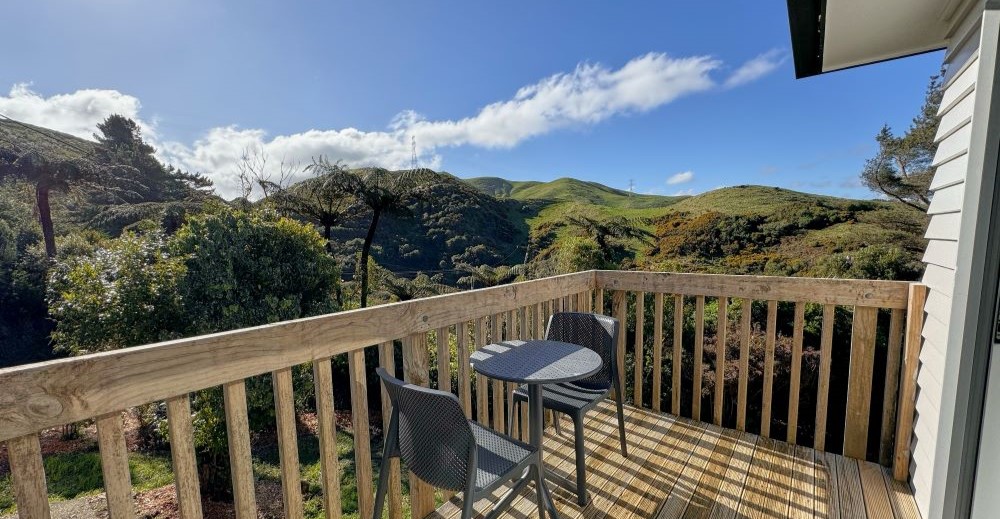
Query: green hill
569,190
21,137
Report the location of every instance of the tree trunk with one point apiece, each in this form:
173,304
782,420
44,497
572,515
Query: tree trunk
365,251
45,219
326,234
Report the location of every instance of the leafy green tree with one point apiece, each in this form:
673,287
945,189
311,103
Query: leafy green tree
901,170
252,268
221,271
612,235
399,288
123,295
382,192
487,275
46,175
325,199
142,187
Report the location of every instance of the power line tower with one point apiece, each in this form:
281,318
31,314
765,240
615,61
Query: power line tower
631,186
413,152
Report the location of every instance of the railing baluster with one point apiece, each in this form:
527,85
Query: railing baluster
510,333
415,372
539,328
916,299
288,445
721,336
657,351
620,307
114,466
443,358
238,434
464,370
859,383
745,331
699,348
600,301
362,436
497,385
25,456
772,336
823,390
482,386
796,373
326,417
895,347
675,374
640,339
182,455
523,331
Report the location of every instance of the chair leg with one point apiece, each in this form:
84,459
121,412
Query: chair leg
468,499
555,420
621,423
539,478
383,484
581,460
511,406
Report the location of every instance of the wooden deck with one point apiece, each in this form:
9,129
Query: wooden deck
681,468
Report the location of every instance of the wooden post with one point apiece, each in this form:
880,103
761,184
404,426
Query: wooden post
745,330
772,336
675,373
699,349
640,339
823,390
657,351
908,383
238,433
362,436
859,384
387,361
182,455
796,372
114,465
721,337
25,455
288,445
415,371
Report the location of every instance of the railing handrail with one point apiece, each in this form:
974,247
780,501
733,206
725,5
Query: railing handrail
835,291
48,394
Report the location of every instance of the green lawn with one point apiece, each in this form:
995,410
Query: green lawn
78,474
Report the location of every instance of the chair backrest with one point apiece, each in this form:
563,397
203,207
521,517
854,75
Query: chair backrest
432,435
593,331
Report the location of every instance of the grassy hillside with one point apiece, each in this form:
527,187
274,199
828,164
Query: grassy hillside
569,190
21,137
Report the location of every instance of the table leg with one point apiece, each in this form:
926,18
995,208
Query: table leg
536,423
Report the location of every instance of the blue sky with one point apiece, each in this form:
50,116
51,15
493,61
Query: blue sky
615,91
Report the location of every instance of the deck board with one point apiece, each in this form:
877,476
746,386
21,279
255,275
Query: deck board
678,467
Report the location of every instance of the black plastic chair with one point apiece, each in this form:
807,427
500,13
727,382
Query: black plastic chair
600,334
431,435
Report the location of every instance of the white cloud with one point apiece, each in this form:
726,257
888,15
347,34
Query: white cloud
591,93
588,95
756,68
680,178
76,113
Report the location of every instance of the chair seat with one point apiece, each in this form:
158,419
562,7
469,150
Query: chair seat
497,455
566,398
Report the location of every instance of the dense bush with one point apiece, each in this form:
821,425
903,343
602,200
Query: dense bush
220,271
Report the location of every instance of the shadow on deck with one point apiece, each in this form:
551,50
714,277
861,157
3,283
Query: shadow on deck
681,468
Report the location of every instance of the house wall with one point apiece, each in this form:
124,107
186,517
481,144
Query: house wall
951,275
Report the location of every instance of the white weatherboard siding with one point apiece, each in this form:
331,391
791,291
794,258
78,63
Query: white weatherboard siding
947,189
959,172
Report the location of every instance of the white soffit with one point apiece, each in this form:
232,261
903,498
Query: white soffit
857,32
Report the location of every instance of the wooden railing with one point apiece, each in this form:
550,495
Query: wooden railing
101,386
